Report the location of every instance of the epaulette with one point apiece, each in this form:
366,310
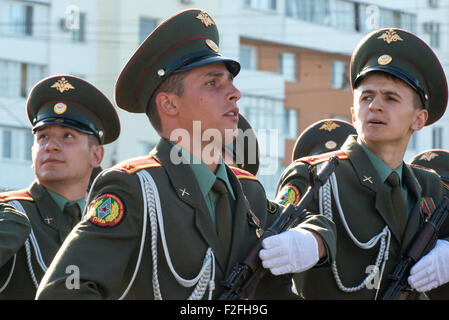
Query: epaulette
136,164
242,174
320,158
15,195
421,167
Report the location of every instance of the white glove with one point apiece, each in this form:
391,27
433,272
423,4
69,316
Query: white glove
432,270
292,251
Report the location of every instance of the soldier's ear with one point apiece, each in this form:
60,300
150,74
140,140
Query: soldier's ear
97,154
165,103
420,120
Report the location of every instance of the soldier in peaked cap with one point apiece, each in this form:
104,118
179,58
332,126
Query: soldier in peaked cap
71,120
377,201
202,222
434,159
322,136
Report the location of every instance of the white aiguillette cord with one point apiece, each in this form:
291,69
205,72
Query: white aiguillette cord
152,207
325,207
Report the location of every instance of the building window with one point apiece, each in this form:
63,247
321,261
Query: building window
437,138
18,18
79,34
248,57
291,123
340,77
7,144
261,4
29,140
287,66
344,15
433,29
370,17
316,11
146,26
433,3
17,79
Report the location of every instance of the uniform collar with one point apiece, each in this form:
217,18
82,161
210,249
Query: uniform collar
381,167
62,201
205,177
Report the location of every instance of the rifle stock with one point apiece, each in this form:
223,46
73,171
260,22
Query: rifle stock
423,241
242,282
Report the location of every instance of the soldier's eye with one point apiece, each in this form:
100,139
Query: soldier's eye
367,98
392,99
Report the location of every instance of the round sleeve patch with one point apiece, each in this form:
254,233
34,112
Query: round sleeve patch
288,194
106,211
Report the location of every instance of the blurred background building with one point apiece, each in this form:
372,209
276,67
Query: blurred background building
294,54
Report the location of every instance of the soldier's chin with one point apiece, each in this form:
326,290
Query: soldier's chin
51,176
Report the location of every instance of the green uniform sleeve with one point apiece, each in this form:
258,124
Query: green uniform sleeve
297,177
99,249
14,230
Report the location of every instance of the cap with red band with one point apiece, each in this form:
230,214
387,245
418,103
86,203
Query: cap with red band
187,40
75,103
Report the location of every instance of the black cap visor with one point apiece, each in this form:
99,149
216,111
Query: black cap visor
200,59
72,122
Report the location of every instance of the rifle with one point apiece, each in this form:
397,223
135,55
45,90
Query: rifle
244,277
423,241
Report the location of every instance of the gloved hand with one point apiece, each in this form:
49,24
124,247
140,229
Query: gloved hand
292,251
432,270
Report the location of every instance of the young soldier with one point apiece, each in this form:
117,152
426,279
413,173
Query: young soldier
71,121
435,159
374,198
320,137
200,223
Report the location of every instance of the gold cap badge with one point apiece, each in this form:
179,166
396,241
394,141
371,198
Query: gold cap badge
390,36
212,45
60,108
384,60
331,144
329,126
62,85
205,19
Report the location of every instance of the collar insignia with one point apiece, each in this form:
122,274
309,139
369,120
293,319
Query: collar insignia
369,179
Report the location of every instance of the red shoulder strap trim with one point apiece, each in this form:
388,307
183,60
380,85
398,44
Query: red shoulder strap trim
133,165
15,195
314,160
242,174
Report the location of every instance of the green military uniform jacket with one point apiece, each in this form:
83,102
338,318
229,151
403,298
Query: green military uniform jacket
107,255
366,204
50,229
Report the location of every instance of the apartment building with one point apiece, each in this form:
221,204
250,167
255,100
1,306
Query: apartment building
294,54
